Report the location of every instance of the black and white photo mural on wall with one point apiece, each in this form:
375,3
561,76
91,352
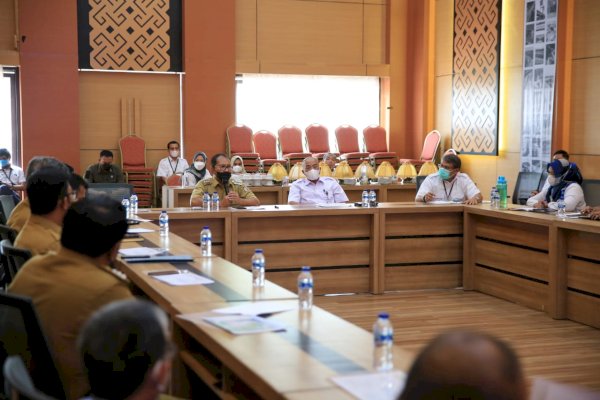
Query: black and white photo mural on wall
539,71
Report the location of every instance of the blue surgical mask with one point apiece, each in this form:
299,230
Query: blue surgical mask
4,163
444,174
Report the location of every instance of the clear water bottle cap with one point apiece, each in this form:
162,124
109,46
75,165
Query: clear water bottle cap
305,268
384,315
214,192
164,211
205,227
258,251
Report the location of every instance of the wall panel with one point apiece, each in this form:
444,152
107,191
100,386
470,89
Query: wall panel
8,29
586,31
585,102
374,44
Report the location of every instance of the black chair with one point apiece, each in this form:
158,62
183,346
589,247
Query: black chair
420,179
15,258
7,203
18,383
542,180
527,182
591,191
8,233
116,191
21,334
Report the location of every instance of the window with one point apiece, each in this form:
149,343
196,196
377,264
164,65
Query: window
270,101
9,112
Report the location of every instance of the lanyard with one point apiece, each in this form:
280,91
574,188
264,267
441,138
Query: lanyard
451,187
171,165
8,175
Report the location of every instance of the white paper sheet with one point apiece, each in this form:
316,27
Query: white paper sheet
442,202
245,324
139,230
335,205
141,252
136,218
259,308
373,386
177,279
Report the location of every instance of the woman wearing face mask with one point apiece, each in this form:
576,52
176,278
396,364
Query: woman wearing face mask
173,164
196,172
562,178
237,169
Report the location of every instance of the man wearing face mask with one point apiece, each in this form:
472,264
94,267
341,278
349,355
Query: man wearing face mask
77,280
449,184
315,189
50,196
231,193
562,178
12,178
104,171
172,165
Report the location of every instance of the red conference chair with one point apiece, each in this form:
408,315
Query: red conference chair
317,139
290,143
174,180
430,147
347,140
376,146
239,143
265,144
133,163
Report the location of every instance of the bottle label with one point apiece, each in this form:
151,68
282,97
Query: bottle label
305,285
382,338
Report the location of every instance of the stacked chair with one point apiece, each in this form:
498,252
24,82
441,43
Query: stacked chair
239,143
430,148
376,145
317,140
347,140
133,163
265,144
290,144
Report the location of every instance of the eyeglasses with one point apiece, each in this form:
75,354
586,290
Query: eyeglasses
448,167
221,166
311,167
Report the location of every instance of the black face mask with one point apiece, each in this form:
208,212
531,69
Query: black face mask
106,167
223,177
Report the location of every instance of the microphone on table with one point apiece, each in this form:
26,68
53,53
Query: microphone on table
225,181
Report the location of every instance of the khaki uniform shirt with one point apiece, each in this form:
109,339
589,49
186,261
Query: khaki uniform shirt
96,174
66,288
39,235
19,215
212,185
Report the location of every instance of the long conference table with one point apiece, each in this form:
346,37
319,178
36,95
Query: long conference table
535,260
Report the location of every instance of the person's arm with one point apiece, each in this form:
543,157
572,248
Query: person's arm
118,174
339,196
473,193
162,172
242,196
294,195
573,198
538,201
197,195
425,192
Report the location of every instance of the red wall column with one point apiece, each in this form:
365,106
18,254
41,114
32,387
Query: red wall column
209,81
49,80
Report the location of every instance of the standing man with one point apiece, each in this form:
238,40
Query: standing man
104,171
173,164
449,184
12,178
315,189
231,193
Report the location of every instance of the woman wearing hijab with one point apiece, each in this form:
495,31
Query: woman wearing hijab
197,172
562,178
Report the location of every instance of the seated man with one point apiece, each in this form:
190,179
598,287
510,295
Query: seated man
50,196
562,178
231,192
315,189
330,159
171,165
12,178
68,286
126,351
104,171
449,184
465,365
22,212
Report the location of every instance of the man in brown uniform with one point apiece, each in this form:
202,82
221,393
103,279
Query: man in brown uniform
230,192
49,193
68,286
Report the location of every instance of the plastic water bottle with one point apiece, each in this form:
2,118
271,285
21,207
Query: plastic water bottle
502,188
383,337
206,242
561,206
494,197
206,201
163,223
215,201
364,179
305,289
372,198
133,204
286,181
258,268
125,204
365,198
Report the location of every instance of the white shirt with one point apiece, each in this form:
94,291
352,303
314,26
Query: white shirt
573,198
12,176
168,167
325,190
189,180
460,189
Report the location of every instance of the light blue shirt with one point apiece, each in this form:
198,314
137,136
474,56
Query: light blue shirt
325,190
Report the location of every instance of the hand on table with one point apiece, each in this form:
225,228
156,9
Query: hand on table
231,198
541,204
428,197
473,201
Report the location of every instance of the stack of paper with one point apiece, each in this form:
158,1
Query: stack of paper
373,386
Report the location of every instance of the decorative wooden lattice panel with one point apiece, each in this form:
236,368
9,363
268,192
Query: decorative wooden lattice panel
138,35
476,76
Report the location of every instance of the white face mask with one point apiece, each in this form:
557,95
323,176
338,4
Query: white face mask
199,165
237,169
174,153
312,175
553,181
